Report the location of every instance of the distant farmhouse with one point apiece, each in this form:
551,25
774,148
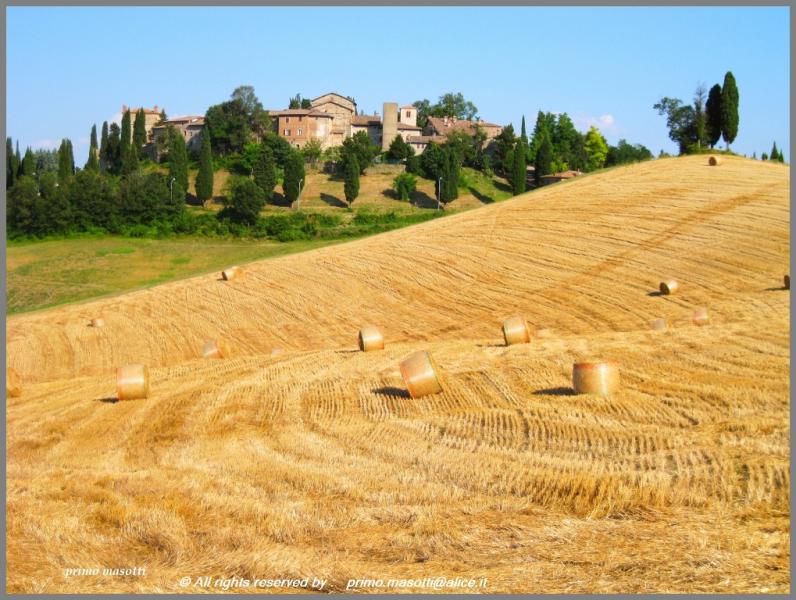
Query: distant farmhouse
331,119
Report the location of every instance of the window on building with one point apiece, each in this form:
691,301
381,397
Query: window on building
287,119
408,114
287,132
298,132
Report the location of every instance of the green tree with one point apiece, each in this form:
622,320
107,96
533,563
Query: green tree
431,161
298,102
312,151
518,175
243,201
28,168
399,149
66,165
178,164
503,157
774,152
23,207
94,201
264,171
256,117
139,129
596,149
294,176
57,214
764,156
713,115
729,109
624,153
131,163
448,105
113,150
228,126
351,178
125,141
544,157
103,149
404,185
93,161
450,183
204,178
700,116
680,120
12,164
360,145
145,198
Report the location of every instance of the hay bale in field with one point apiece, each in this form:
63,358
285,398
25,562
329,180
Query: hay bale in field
668,287
515,331
601,378
98,322
700,316
231,273
659,324
420,374
370,338
215,349
132,382
13,383
714,161
787,282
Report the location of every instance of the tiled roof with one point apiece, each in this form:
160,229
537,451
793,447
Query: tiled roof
363,120
448,124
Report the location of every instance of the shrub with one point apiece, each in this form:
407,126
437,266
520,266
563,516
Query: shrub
405,185
243,201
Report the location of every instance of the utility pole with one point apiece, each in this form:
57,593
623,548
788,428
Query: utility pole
298,198
439,192
171,189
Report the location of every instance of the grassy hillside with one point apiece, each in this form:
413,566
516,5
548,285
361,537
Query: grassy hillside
316,462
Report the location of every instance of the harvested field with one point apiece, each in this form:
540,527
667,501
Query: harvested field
316,462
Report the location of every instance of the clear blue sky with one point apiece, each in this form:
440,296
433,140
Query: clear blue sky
68,68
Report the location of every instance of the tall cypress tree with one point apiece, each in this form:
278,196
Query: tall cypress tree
294,175
264,170
125,142
139,129
64,167
544,158
351,185
70,156
178,165
204,179
518,170
774,152
28,167
729,109
18,161
11,164
113,154
713,115
92,164
131,162
103,152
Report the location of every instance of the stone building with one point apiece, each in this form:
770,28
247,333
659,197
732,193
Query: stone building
300,125
190,127
151,117
442,126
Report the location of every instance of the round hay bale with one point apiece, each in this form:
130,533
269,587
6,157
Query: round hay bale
98,322
714,161
668,287
515,331
601,378
215,349
132,382
543,333
787,282
420,374
370,338
277,351
659,324
13,383
700,316
231,273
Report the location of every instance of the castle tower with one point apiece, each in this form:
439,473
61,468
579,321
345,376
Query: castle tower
389,124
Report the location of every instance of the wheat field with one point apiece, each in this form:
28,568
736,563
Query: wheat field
316,462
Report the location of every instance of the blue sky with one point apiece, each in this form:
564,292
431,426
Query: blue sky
68,68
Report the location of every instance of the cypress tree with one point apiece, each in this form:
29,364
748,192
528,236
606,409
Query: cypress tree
103,151
351,186
131,163
204,179
64,170
729,109
139,129
713,115
92,164
70,154
518,171
294,175
125,141
544,158
774,152
178,165
113,160
764,156
522,129
264,170
449,188
28,167
11,164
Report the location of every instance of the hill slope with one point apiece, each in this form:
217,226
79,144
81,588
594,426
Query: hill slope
315,463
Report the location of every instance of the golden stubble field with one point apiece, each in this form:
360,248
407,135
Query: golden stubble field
315,462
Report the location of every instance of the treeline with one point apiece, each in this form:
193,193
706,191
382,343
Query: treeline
711,116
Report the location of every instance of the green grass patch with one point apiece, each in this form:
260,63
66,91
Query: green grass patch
120,250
